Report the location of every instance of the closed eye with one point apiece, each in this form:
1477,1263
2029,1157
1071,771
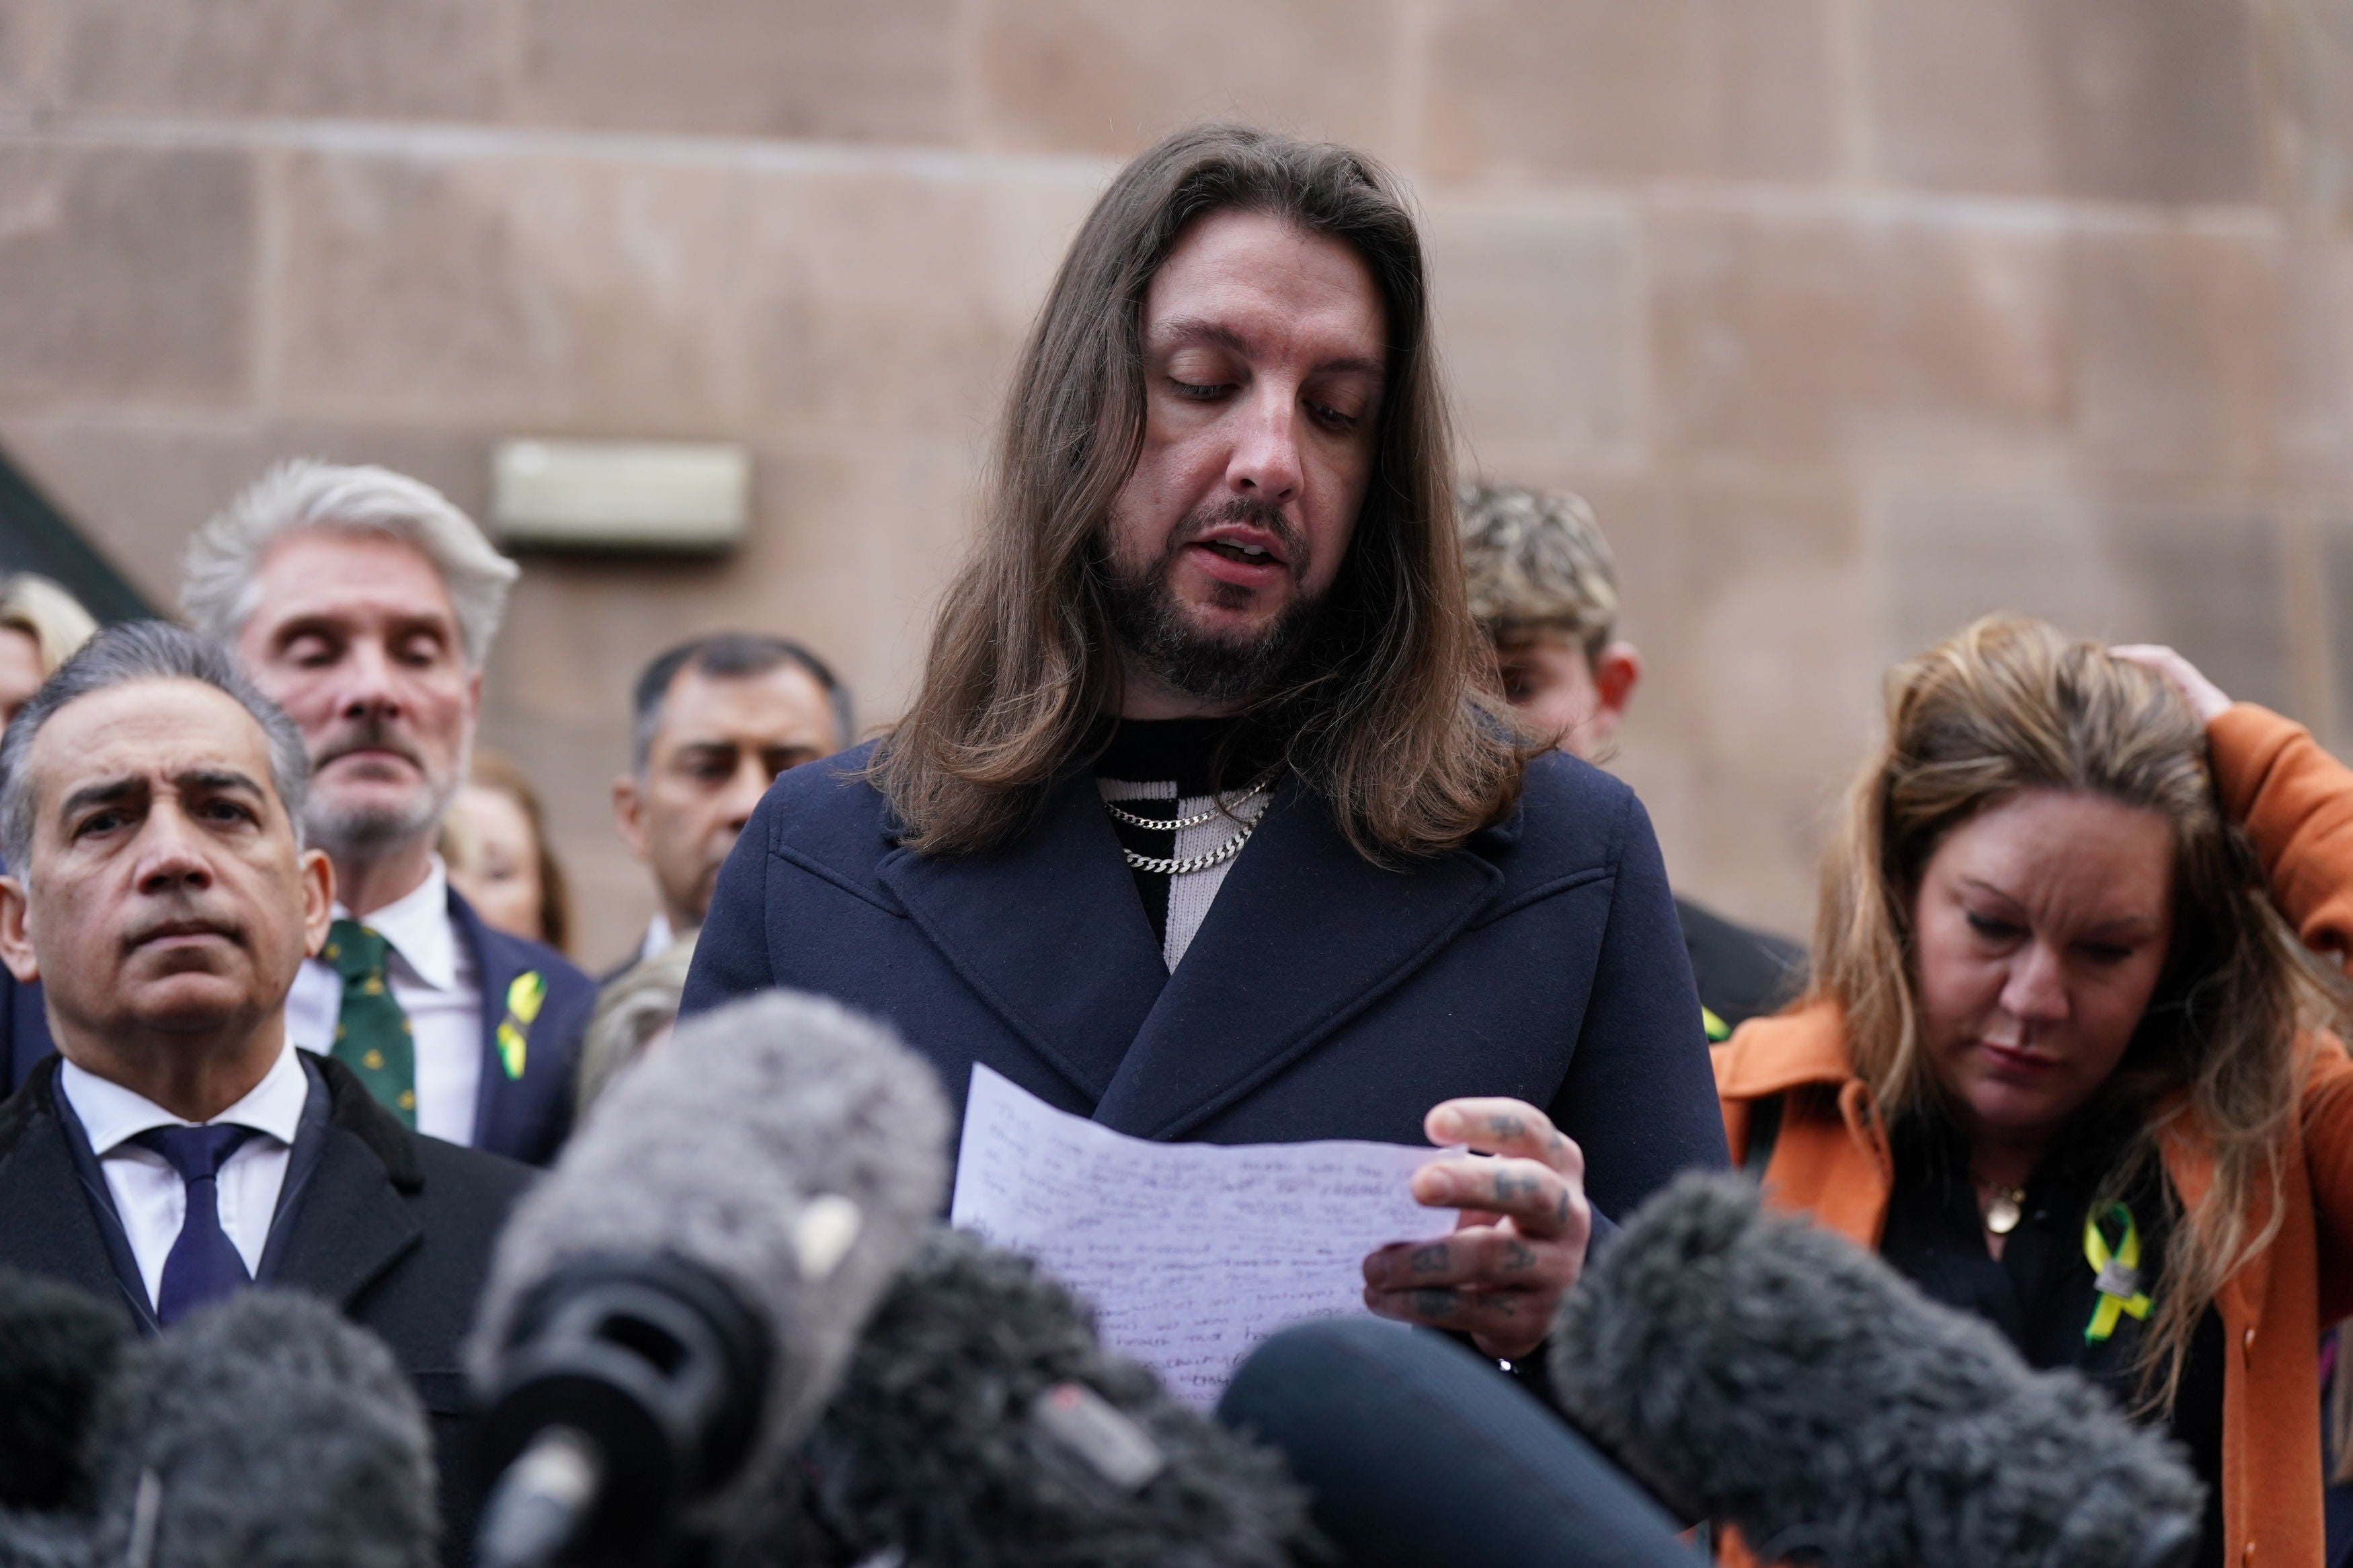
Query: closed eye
1198,392
1993,930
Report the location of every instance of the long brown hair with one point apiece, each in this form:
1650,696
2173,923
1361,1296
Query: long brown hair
1387,721
2009,706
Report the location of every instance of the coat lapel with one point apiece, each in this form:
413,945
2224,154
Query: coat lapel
1303,934
1050,932
49,1224
351,1224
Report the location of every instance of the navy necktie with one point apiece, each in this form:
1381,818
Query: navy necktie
203,1264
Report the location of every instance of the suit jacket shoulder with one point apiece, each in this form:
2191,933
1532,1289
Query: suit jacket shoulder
531,1037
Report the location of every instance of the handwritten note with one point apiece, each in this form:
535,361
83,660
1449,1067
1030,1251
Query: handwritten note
1190,1253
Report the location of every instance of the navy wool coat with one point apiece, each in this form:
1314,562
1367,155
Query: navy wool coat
1323,996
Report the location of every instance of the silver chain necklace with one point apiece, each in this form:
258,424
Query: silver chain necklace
1191,863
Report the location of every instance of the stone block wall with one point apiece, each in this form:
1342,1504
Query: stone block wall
1853,318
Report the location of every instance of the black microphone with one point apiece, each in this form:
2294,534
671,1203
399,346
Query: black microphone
263,1432
1416,1452
669,1309
58,1345
982,1424
1763,1371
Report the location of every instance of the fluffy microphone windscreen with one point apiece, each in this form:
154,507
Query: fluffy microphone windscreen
982,1424
1774,1374
794,1149
277,1434
58,1344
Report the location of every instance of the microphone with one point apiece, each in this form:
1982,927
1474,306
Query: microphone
58,1345
264,1432
1416,1451
982,1424
667,1311
1764,1371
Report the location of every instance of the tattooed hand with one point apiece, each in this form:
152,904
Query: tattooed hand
1519,1244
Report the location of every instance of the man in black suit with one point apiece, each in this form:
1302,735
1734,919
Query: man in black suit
1201,824
364,604
178,1146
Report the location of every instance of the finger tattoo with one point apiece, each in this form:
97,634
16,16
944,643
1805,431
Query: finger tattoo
1519,1258
1428,1259
1505,1125
1435,1303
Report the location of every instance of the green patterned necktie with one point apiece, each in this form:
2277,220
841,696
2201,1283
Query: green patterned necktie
372,1034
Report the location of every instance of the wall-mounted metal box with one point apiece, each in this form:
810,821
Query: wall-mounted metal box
621,495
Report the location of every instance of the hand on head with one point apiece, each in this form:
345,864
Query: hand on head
2204,695
1520,1243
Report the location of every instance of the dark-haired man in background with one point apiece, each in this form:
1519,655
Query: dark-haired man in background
178,1147
712,723
1201,824
1544,591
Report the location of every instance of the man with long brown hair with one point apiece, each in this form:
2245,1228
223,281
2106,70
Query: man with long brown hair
1215,628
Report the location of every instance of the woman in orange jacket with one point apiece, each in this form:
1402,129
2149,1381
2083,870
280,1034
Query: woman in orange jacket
2059,1062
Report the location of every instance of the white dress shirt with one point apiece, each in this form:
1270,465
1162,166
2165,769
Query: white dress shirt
149,1196
432,977
658,936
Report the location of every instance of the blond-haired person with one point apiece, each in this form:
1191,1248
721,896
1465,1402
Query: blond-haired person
1544,589
41,625
2058,1063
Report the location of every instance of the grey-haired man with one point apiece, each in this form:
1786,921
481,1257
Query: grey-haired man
363,602
179,1147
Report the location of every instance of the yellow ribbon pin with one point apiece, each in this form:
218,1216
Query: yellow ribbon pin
524,998
2116,1274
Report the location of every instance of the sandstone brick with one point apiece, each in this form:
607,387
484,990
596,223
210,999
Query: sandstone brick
2121,100
2185,358
1541,328
547,293
886,303
2210,581
138,485
1794,337
1711,89
1107,75
880,70
365,58
131,273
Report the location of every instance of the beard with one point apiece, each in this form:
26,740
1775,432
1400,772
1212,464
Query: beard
364,831
1156,631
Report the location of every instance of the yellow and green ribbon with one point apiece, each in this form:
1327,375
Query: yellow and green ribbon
524,998
1718,1031
2116,1272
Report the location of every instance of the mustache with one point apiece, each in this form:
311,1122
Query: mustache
1248,510
372,734
185,922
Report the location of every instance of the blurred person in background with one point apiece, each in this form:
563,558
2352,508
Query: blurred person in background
40,627
364,604
495,842
634,1014
1544,592
714,721
2063,1061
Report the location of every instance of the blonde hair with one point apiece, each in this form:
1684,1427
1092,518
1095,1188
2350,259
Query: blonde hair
1537,562
2010,706
52,617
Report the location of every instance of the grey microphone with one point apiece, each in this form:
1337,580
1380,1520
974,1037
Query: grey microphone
264,1432
1761,1370
669,1309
